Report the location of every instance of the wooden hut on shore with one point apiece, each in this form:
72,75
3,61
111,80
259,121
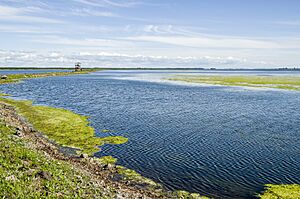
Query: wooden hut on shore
78,66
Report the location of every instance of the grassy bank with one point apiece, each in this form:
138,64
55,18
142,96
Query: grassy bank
32,167
62,126
278,82
28,173
13,78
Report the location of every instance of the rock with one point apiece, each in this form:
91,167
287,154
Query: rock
3,77
108,166
45,175
19,133
30,172
83,155
142,185
11,178
117,177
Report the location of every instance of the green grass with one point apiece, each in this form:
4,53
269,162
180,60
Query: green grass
130,174
187,195
281,191
20,165
278,82
14,78
64,127
107,160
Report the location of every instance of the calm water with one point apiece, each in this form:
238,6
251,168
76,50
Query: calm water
218,141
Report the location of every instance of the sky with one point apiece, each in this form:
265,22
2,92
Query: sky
150,33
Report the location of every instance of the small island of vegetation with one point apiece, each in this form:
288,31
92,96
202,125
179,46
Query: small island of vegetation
277,82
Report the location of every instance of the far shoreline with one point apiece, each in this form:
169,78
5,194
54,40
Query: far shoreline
153,68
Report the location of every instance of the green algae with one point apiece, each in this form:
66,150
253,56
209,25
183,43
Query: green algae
64,127
291,191
278,82
130,174
186,195
107,160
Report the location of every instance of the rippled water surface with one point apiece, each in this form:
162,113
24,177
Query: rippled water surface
223,142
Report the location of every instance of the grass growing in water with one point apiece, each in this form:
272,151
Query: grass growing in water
107,160
63,126
21,165
279,82
281,191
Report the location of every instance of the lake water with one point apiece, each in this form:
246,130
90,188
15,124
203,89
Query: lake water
223,142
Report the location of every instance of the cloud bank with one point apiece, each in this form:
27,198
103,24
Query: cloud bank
104,59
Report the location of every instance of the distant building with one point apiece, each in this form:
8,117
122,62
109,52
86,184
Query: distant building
3,77
78,66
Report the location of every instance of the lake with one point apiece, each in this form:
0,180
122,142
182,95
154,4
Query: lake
223,142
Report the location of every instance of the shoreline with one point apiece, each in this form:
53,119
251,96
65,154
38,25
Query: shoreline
126,180
90,166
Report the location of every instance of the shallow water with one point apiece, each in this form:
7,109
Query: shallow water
224,142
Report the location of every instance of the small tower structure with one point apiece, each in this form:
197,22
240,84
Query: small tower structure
78,66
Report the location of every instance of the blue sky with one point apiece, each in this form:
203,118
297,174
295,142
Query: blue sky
150,33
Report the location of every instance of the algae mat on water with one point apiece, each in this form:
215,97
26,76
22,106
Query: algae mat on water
62,126
281,191
278,82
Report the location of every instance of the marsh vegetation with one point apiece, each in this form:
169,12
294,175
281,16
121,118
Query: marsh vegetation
278,82
63,126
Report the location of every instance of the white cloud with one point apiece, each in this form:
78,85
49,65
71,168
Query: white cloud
89,12
159,29
26,29
20,14
88,42
109,3
106,59
208,42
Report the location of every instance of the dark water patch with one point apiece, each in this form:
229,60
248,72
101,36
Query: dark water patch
220,142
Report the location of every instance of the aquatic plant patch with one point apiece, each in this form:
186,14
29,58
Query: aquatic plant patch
64,127
278,82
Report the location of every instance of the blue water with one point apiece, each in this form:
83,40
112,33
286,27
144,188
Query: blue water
223,142
29,71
